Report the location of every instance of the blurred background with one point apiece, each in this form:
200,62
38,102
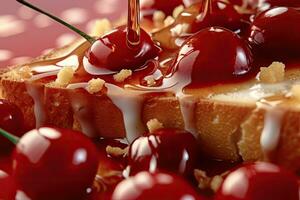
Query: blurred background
25,34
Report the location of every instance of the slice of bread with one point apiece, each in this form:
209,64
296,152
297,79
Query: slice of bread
229,120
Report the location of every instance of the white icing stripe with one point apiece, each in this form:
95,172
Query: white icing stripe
130,105
77,85
37,96
93,70
43,75
270,135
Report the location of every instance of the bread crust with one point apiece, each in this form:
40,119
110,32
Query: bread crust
226,130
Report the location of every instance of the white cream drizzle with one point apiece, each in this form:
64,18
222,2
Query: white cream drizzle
93,70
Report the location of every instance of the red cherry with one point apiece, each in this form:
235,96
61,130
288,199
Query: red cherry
266,4
11,120
112,51
147,186
156,151
213,55
52,163
275,33
259,181
7,185
219,13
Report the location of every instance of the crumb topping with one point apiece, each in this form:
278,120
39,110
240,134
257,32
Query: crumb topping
95,85
177,10
150,81
122,75
273,74
101,27
116,151
169,20
64,76
153,125
22,73
179,29
159,16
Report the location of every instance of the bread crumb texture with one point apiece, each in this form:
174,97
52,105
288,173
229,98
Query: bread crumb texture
101,27
95,85
64,76
296,91
18,74
122,75
273,74
153,125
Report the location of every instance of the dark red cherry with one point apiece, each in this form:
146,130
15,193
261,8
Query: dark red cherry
259,181
275,33
113,52
266,4
52,163
147,186
157,151
7,185
219,13
11,120
213,55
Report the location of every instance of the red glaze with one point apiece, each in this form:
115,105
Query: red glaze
219,13
52,163
259,181
212,56
11,120
147,186
7,185
156,152
112,51
275,33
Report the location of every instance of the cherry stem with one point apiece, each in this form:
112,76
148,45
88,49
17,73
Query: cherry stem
81,33
133,24
9,136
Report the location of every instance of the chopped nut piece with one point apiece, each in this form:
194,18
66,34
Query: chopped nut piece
177,10
179,29
101,27
169,20
95,85
64,76
159,16
216,182
272,74
116,151
154,125
150,80
296,91
122,75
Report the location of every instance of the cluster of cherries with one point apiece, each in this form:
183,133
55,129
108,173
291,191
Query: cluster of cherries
55,163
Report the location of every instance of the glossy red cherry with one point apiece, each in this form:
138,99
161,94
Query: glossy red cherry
52,163
7,185
213,55
11,120
156,152
259,181
266,4
147,186
219,13
275,33
113,52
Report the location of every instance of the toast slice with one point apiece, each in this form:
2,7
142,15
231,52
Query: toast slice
248,121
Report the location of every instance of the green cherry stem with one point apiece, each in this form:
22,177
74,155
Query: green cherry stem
81,33
9,136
